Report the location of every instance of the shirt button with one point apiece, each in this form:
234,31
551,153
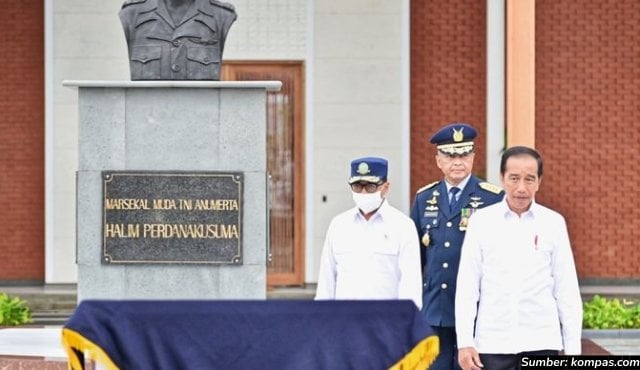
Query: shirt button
449,224
445,265
176,43
444,286
447,244
425,284
206,59
175,68
144,57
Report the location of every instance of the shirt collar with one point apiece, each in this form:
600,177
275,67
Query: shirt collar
508,213
460,186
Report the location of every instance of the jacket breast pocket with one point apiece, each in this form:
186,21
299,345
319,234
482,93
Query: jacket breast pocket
203,63
385,257
542,252
145,62
386,249
429,223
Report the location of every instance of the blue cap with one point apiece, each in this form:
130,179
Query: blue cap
368,169
455,139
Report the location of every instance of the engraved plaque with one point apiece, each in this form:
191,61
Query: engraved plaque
172,217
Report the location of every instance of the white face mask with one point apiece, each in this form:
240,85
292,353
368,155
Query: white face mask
367,202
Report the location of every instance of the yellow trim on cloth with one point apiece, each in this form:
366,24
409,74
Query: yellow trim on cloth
73,340
421,356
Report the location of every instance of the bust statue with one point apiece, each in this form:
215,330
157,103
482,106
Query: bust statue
176,39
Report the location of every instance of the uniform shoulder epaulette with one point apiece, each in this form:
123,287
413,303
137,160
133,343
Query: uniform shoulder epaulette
132,2
490,187
427,187
223,5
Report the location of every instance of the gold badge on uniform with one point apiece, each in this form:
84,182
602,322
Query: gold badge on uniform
432,205
431,210
426,239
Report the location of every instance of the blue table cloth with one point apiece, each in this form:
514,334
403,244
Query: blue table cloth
249,335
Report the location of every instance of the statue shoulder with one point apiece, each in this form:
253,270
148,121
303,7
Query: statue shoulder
132,2
132,7
490,187
222,4
427,187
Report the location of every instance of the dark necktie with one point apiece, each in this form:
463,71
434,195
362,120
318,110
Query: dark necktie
454,201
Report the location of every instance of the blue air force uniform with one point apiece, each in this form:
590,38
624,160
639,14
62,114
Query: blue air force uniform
441,231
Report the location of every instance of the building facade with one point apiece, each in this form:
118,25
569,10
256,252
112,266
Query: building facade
373,78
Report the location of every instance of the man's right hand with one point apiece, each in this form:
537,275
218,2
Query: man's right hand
469,359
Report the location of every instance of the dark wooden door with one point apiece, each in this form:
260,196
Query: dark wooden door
285,164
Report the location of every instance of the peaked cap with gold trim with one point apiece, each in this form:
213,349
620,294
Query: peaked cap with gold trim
455,139
368,169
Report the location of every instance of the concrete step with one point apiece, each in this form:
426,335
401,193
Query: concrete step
627,292
49,302
43,298
306,292
53,317
53,304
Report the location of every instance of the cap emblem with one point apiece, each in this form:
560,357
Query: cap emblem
458,136
363,168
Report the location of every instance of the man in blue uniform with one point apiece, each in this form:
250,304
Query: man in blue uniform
440,212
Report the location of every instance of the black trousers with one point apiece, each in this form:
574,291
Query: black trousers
494,361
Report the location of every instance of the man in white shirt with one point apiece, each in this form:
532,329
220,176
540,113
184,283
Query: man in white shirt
371,250
440,212
517,290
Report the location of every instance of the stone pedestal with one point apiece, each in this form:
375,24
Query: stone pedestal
171,126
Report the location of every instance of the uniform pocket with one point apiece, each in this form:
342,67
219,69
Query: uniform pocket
385,257
145,62
430,224
386,249
203,63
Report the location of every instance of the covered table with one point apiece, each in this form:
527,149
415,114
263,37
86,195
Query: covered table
249,335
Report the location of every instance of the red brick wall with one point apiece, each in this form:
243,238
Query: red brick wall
22,141
588,128
448,78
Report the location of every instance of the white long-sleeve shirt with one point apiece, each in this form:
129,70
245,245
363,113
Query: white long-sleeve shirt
375,259
522,272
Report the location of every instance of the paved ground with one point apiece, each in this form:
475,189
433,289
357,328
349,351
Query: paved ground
616,342
617,346
43,342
